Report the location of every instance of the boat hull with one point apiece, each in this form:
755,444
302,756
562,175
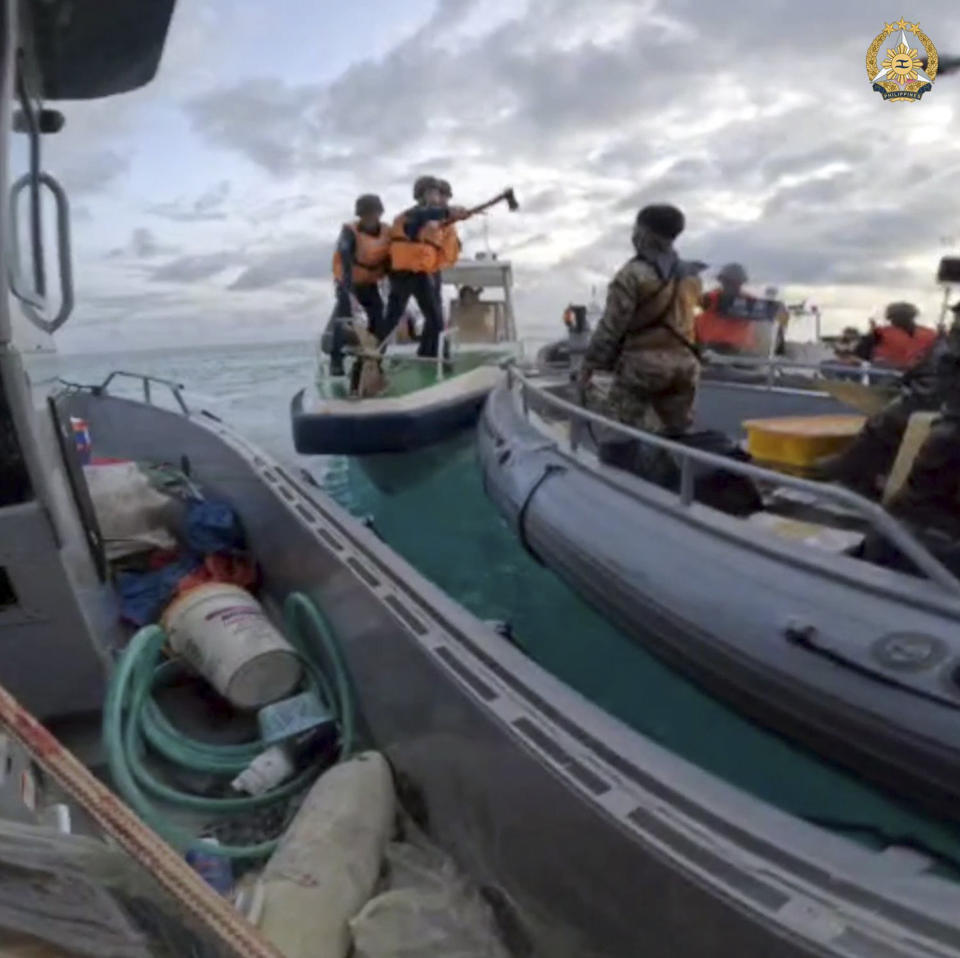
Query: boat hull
794,638
586,838
395,425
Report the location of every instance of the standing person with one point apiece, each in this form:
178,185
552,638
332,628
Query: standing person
900,343
644,334
719,327
420,242
359,263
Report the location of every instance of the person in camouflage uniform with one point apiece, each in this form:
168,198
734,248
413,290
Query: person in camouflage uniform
930,385
645,335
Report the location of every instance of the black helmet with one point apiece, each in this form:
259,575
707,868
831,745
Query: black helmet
902,312
368,203
733,273
423,183
662,219
445,188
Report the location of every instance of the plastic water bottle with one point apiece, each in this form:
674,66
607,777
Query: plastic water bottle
81,439
214,869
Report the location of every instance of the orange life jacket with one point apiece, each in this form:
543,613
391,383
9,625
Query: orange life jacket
370,258
714,329
896,347
450,242
436,247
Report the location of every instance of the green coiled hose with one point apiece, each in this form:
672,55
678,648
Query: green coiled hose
132,720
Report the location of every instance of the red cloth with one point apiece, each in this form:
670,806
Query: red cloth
233,570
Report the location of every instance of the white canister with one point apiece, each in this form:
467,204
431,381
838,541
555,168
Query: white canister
222,631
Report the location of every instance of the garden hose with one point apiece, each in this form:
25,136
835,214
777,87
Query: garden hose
132,721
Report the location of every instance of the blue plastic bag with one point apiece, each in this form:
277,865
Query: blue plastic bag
213,526
144,595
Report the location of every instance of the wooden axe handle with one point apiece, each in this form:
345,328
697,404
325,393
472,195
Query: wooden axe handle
499,198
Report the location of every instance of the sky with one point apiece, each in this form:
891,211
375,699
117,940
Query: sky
205,205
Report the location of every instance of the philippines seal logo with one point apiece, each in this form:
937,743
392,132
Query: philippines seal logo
909,67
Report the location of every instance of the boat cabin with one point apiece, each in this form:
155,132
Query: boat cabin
482,311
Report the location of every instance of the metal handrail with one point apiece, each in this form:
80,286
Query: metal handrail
774,364
32,303
174,387
880,520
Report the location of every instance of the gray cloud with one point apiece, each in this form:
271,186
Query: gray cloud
143,244
592,111
280,208
307,261
192,268
208,206
263,118
92,172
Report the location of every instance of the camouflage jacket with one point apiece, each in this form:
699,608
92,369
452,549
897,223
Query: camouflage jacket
642,291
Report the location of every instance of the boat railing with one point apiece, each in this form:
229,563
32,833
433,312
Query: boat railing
776,365
879,520
146,381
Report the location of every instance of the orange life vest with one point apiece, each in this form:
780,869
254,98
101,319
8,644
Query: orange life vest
715,329
435,248
450,242
370,258
896,347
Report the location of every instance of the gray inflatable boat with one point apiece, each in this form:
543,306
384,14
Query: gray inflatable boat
768,611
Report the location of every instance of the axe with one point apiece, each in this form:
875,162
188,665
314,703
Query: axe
507,196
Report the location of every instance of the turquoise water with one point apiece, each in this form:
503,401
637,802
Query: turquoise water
446,528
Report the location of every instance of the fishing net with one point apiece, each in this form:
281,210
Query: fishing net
79,894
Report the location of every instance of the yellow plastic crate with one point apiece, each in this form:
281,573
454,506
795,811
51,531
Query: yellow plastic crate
795,443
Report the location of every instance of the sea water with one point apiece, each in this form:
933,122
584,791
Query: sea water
445,526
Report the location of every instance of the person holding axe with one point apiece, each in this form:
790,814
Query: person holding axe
420,240
423,241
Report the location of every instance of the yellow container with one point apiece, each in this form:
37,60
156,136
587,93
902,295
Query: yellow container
795,443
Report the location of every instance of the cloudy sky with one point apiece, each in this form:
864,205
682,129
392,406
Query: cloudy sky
206,204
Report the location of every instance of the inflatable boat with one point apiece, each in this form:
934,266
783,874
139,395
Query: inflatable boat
423,401
773,610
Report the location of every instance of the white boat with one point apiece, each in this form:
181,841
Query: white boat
426,401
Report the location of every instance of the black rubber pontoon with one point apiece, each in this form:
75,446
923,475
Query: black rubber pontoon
855,660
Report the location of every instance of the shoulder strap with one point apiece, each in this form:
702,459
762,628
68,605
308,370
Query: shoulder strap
660,321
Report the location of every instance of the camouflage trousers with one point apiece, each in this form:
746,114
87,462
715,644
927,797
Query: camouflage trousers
658,382
871,455
930,495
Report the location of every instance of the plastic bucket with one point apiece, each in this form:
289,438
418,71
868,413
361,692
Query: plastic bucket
222,631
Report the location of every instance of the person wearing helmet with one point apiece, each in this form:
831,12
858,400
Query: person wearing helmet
724,325
932,383
422,242
360,262
900,343
644,334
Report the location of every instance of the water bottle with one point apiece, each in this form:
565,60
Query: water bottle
214,869
81,439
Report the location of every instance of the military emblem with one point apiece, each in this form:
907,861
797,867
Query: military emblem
908,66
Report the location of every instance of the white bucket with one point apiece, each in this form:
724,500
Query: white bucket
221,630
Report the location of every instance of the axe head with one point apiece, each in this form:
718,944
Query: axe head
511,199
